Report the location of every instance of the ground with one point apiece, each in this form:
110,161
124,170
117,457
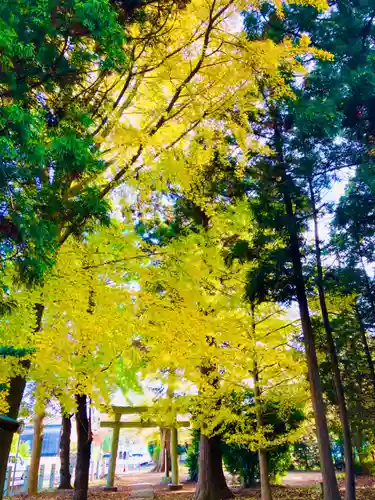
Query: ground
143,484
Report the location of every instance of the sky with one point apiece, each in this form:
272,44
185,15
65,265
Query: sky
332,195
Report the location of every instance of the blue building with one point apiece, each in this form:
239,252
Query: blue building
51,439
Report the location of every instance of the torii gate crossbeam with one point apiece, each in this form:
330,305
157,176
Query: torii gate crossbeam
116,425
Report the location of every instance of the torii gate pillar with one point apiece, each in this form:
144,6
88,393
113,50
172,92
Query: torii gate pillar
114,451
175,485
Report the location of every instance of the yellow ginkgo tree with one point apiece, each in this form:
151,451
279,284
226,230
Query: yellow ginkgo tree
267,360
87,335
182,78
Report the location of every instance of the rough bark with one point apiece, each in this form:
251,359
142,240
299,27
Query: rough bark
344,418
36,451
165,440
17,386
331,491
264,475
14,398
64,452
84,439
211,481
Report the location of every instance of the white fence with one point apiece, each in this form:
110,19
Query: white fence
47,479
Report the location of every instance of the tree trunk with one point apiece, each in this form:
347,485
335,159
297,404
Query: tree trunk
65,477
265,486
165,441
331,491
263,461
84,439
32,486
211,481
348,449
366,348
14,398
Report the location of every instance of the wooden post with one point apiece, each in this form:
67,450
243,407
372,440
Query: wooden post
8,476
52,476
11,489
174,461
72,473
174,455
114,450
41,478
26,479
166,462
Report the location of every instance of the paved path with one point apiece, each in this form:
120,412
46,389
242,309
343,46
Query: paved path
146,482
302,478
143,490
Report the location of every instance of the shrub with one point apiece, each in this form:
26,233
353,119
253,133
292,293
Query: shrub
305,456
238,458
241,461
193,456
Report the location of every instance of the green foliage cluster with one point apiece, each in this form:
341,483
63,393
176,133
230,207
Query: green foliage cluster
193,456
240,461
23,448
305,456
48,50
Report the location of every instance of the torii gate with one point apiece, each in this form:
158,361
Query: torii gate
117,425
